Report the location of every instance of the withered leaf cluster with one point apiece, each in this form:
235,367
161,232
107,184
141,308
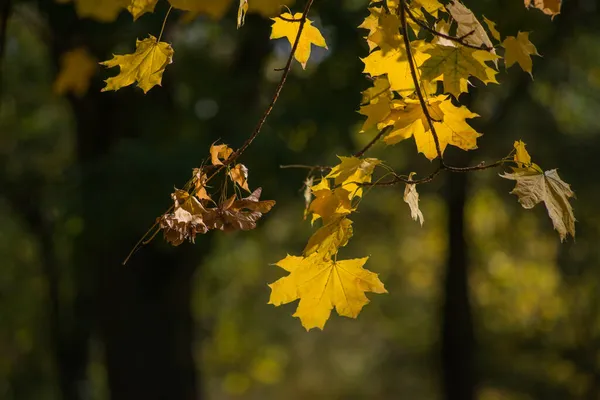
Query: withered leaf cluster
196,212
191,217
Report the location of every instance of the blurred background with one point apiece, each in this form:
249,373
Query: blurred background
484,301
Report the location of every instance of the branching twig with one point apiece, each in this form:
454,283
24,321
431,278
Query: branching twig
286,70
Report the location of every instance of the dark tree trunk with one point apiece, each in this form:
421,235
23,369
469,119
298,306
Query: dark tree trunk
458,342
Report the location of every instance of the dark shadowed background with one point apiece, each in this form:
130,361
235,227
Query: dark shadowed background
484,301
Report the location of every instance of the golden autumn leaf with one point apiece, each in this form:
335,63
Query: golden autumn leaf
242,10
550,7
492,28
353,171
145,66
322,284
289,30
330,237
77,67
200,179
239,175
519,49
219,152
408,119
454,65
395,64
100,10
328,203
534,187
137,8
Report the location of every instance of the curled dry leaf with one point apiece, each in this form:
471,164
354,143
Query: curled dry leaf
534,187
185,222
219,152
240,214
411,197
239,175
200,179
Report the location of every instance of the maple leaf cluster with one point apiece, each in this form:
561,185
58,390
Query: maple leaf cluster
423,55
454,61
195,212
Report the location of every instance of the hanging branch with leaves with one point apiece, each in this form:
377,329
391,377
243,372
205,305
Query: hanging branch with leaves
423,54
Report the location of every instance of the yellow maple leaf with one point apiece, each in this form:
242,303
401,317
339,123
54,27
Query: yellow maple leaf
289,30
330,237
137,8
100,10
323,284
76,70
145,66
550,7
449,122
351,172
454,65
395,64
519,49
329,203
492,28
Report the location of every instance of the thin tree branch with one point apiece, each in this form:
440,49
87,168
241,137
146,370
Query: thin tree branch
261,122
413,72
286,72
372,142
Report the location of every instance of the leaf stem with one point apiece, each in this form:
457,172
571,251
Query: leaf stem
164,23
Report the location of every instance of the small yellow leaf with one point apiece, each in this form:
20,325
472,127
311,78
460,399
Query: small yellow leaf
146,65
289,30
519,50
242,10
395,64
492,28
219,152
352,172
329,203
76,70
330,237
522,157
239,175
411,197
137,8
322,284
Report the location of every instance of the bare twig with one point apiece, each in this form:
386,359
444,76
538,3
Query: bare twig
372,142
286,71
